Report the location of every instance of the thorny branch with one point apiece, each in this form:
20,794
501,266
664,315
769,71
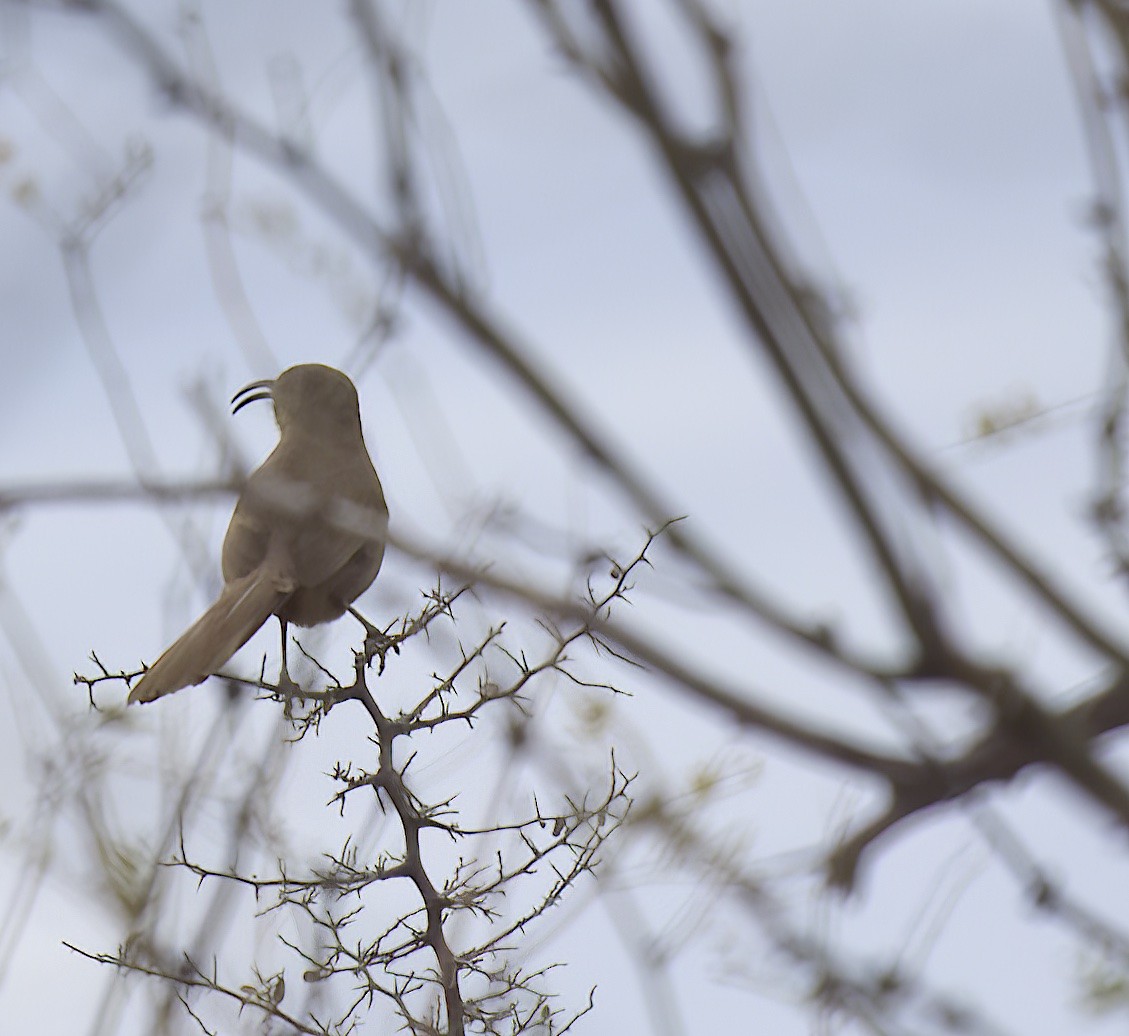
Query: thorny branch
387,966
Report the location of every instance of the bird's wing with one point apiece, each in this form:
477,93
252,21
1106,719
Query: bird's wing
322,548
247,541
311,511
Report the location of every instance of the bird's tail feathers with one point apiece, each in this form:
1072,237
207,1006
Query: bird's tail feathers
212,639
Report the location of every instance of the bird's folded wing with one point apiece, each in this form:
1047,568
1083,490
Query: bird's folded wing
320,549
212,639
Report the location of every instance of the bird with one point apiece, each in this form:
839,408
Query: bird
307,535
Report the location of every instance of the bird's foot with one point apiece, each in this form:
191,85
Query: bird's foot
288,691
377,641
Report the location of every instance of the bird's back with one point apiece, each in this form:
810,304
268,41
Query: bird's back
320,514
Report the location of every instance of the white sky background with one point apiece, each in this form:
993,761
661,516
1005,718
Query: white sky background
926,157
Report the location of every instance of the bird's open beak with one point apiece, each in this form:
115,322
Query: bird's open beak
250,393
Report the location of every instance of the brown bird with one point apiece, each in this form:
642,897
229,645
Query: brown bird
307,536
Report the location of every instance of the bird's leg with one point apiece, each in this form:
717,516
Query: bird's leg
377,642
284,682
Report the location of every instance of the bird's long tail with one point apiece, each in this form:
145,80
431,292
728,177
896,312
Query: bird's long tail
212,639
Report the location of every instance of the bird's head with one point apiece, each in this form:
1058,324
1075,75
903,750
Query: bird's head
317,399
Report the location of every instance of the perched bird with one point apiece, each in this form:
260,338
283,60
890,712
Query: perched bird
307,536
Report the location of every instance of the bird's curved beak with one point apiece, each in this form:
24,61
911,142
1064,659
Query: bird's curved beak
250,393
